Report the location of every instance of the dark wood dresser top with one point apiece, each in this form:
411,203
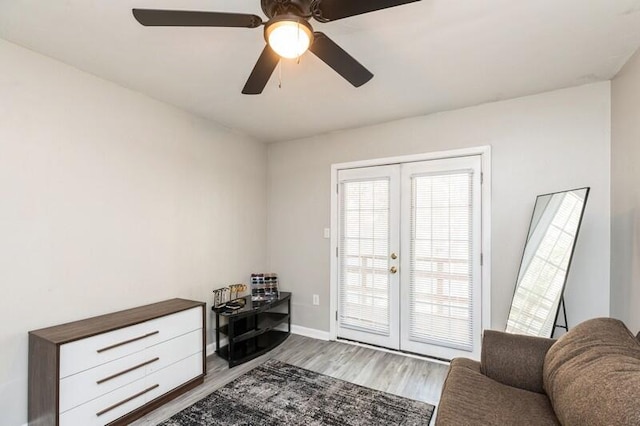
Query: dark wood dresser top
77,330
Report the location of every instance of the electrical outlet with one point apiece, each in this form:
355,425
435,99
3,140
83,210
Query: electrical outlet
327,233
316,299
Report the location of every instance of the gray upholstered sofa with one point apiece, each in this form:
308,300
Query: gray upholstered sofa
588,377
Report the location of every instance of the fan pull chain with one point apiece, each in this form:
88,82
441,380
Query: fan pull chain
298,35
279,74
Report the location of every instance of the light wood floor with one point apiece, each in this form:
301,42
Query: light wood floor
397,374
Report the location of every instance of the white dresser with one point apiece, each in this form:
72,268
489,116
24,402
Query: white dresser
115,368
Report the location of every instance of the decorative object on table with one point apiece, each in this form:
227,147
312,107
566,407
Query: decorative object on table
221,296
271,286
252,330
257,286
235,304
546,259
237,290
276,393
264,286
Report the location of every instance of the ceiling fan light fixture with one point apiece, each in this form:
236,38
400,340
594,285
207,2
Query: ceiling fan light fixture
289,35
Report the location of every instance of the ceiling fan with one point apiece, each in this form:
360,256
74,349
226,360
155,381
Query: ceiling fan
288,32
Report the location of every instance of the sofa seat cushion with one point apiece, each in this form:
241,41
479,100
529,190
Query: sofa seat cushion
471,398
592,375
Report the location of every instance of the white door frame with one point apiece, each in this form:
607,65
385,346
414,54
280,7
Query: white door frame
485,154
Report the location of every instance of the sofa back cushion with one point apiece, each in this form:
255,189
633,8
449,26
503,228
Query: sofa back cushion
592,375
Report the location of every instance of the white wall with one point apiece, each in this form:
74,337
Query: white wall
110,200
625,194
544,143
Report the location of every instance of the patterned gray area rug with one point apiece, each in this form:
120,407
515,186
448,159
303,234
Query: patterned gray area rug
276,393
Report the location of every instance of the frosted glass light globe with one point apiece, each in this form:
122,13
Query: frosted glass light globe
289,39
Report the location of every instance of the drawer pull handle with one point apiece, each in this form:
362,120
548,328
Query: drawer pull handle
124,401
135,339
128,370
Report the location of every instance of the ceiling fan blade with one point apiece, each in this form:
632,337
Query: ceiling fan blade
185,18
262,71
342,63
331,10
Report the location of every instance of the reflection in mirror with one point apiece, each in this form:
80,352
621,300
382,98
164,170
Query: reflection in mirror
545,262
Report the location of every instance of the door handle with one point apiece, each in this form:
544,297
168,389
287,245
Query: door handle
393,269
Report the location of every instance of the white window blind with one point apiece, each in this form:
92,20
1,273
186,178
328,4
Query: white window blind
441,287
364,251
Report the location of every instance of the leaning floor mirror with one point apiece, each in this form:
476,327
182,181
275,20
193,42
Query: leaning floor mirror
545,262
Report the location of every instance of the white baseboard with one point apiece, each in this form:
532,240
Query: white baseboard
211,347
310,332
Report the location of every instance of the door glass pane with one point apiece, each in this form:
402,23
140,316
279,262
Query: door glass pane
440,287
364,256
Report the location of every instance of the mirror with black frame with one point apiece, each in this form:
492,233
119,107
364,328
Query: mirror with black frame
546,259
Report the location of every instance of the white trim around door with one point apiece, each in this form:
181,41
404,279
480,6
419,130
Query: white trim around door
484,153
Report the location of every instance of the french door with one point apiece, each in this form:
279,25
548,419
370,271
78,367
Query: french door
409,256
369,239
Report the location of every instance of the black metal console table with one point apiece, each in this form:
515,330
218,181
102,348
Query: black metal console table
251,330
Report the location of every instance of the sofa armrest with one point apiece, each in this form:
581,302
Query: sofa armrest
514,359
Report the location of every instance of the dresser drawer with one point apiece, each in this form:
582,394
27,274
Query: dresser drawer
174,375
97,350
175,350
175,325
109,407
90,384
121,401
82,387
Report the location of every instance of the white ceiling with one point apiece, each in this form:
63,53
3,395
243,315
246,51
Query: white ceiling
428,56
